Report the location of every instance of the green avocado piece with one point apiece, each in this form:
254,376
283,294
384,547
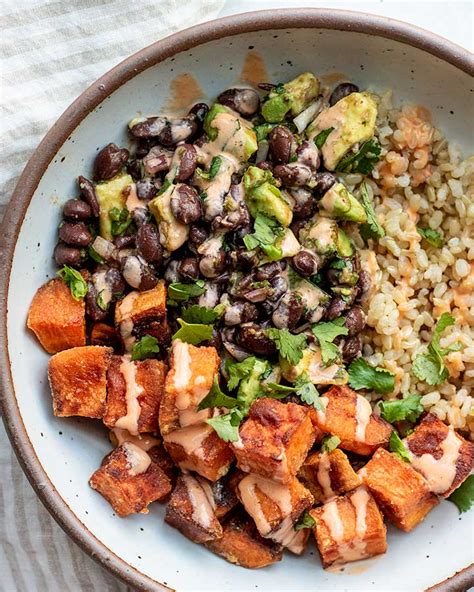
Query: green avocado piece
109,195
293,96
262,196
320,235
352,119
340,203
213,111
344,244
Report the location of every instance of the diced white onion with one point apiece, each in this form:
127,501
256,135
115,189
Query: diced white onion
305,117
262,151
103,247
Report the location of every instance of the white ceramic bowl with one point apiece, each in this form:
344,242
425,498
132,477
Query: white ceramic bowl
59,455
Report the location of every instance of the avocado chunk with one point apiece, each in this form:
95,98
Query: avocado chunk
340,203
352,120
320,235
173,233
228,133
344,244
312,297
293,96
109,195
262,196
317,372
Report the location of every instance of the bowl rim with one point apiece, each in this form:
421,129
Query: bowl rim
284,18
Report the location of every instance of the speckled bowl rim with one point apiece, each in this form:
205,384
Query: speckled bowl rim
71,118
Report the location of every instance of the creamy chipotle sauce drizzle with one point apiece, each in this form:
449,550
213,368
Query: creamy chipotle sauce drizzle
133,390
138,460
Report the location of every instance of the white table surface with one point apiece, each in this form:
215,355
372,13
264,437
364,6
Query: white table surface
54,562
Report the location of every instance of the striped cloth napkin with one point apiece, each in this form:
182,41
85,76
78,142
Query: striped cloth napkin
51,51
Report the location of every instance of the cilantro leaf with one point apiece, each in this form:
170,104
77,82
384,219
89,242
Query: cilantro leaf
239,370
145,348
193,333
330,443
266,231
75,282
121,220
408,409
263,130
213,169
166,185
396,446
364,376
463,496
306,521
216,398
432,237
183,292
322,137
226,426
199,314
372,228
289,346
430,367
307,392
363,161
326,333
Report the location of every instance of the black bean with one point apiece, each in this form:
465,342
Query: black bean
243,100
187,163
188,268
75,233
296,226
76,209
199,110
280,143
365,285
125,241
288,312
143,147
65,255
254,339
215,341
336,307
140,216
109,162
308,154
268,271
265,165
146,189
304,203
178,130
92,308
213,265
305,263
324,182
157,160
186,205
342,90
148,244
171,274
149,279
240,312
88,195
293,174
150,128
115,280
197,235
135,169
243,259
355,320
351,348
267,86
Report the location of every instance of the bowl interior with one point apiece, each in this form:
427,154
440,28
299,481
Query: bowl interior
71,449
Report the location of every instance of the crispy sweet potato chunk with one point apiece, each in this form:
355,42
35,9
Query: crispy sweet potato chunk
129,480
150,380
78,381
57,320
275,508
442,456
190,511
349,416
402,493
241,544
327,474
103,334
275,439
349,528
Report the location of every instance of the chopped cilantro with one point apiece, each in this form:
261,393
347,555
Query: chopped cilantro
432,237
216,398
326,333
166,185
75,282
303,388
463,496
363,161
145,348
262,131
121,220
290,347
239,370
306,521
183,292
430,367
213,169
193,333
266,231
322,137
226,426
396,446
199,314
364,376
408,409
330,443
372,228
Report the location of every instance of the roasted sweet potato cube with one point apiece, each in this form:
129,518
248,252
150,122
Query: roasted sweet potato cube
135,313
57,320
349,416
223,494
327,474
103,334
129,480
190,510
443,457
275,507
143,382
198,448
275,439
189,380
402,493
241,544
349,528
78,381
